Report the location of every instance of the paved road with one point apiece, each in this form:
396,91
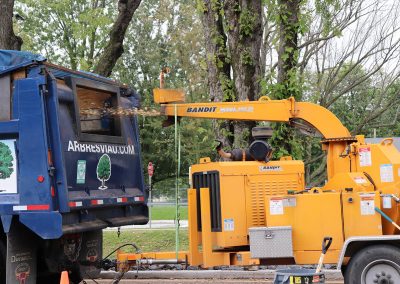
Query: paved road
191,281
203,276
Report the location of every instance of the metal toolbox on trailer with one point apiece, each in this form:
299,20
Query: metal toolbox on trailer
271,242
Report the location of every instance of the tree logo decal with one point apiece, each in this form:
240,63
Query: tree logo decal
6,161
103,170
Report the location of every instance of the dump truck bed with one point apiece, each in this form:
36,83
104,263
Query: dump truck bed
68,163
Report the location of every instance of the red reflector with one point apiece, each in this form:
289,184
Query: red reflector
75,204
40,179
38,207
53,192
139,198
122,199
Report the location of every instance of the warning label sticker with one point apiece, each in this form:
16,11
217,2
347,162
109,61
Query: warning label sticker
229,225
276,206
367,204
365,156
359,180
386,173
289,202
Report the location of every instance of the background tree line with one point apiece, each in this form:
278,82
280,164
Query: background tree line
341,54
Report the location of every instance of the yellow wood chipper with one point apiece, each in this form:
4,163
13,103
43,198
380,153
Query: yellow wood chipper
257,211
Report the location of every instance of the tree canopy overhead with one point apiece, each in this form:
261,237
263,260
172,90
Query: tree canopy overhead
85,35
341,54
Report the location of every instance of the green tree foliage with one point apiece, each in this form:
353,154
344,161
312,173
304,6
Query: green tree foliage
168,33
6,161
103,170
337,53
72,33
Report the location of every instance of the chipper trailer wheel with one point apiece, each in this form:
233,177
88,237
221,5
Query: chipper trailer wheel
374,264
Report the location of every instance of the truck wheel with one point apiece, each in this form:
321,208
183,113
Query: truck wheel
3,255
375,264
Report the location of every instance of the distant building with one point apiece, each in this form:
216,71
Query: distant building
379,139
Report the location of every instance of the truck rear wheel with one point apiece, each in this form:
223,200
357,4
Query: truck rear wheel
375,264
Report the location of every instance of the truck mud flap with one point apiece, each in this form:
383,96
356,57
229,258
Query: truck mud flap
91,253
21,254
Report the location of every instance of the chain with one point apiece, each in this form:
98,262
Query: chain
78,250
120,112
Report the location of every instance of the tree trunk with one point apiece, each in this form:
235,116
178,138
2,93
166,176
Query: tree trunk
288,47
287,81
244,27
218,66
238,22
8,39
219,69
114,48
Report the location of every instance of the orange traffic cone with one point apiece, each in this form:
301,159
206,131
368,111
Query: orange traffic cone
64,278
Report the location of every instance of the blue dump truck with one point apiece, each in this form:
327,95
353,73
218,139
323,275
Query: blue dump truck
69,167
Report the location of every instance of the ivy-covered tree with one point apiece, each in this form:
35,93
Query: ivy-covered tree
6,161
103,170
233,33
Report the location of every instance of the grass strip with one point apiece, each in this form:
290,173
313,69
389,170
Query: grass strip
154,240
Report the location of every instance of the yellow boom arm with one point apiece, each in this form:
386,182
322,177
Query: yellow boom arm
263,110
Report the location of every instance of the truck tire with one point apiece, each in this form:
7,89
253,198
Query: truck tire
374,264
3,256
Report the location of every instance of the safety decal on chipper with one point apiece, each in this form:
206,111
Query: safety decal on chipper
360,180
289,202
387,201
8,167
367,204
386,173
365,156
276,206
229,225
